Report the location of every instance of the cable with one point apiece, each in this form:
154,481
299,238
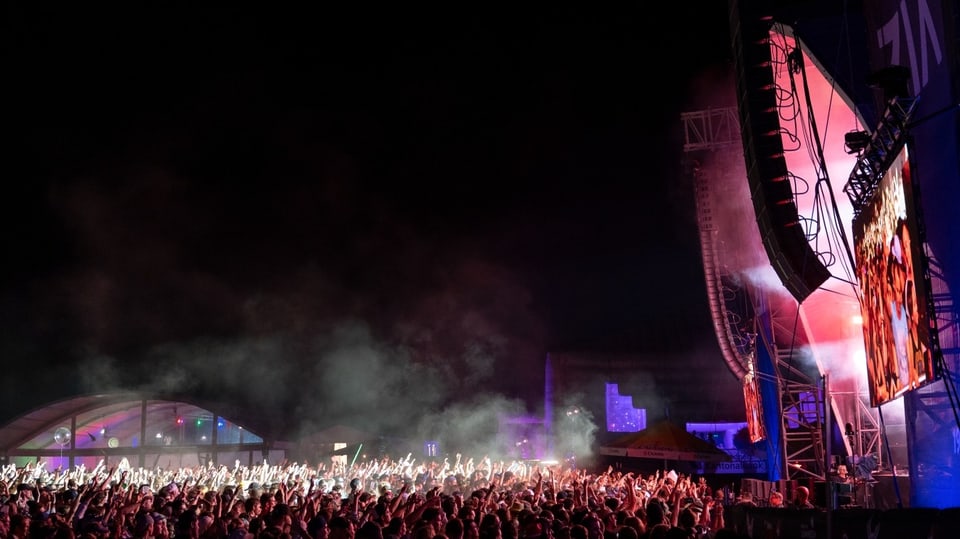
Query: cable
821,163
845,38
825,209
886,444
950,388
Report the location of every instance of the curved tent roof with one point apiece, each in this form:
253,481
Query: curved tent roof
115,422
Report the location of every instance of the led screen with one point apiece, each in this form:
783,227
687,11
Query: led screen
893,302
754,408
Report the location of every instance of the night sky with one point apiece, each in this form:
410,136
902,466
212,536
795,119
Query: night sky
307,209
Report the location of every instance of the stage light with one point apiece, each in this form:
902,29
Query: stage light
179,420
856,141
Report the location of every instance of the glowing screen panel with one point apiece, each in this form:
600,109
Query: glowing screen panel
754,407
894,307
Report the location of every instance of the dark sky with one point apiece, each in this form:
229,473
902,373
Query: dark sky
226,200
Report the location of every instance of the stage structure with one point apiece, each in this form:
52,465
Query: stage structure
737,309
894,64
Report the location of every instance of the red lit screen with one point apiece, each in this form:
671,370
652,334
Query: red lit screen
893,303
751,399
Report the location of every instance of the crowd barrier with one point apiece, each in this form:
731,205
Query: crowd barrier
853,523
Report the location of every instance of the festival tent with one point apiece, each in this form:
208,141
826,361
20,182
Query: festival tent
664,441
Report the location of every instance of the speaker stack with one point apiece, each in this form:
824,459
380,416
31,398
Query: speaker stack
784,239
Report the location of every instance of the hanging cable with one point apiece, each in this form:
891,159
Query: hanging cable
950,388
823,226
886,444
824,196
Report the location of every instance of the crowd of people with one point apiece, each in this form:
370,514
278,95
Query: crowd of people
378,499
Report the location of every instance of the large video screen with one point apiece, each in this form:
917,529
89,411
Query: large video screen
893,303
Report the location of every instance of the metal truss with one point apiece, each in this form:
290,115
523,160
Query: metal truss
865,438
710,129
932,404
802,419
947,317
879,153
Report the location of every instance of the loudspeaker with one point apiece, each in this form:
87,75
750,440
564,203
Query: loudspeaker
784,239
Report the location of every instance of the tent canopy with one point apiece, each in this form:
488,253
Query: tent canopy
664,441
